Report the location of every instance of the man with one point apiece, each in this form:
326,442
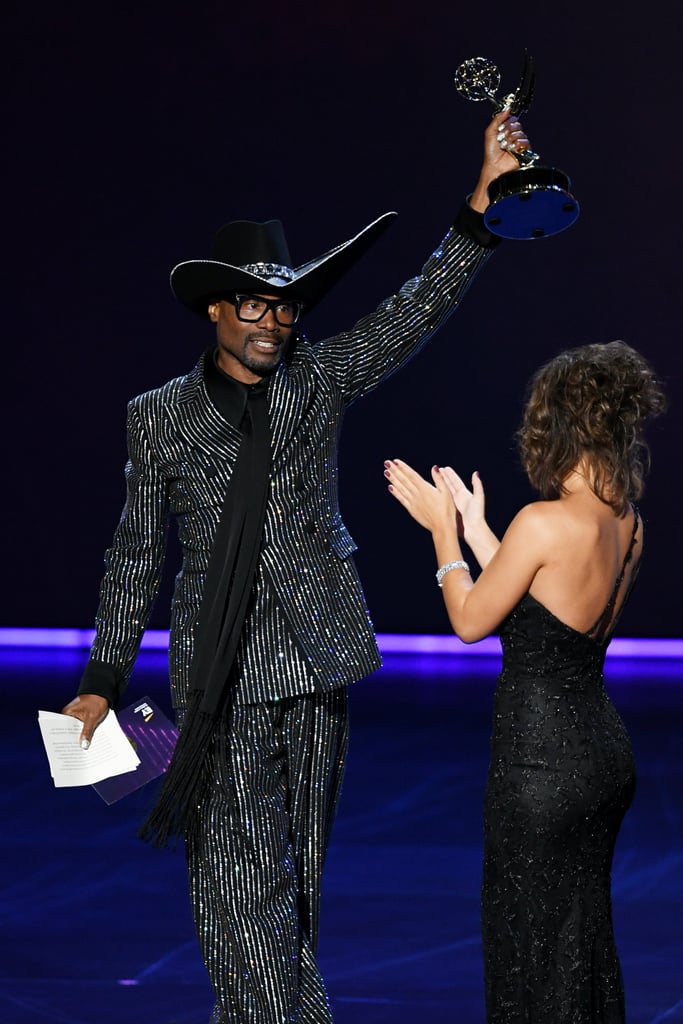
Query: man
269,622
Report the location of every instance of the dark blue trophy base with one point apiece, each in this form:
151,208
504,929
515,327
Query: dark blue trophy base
533,202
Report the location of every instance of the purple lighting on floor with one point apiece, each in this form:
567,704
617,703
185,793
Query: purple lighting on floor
389,643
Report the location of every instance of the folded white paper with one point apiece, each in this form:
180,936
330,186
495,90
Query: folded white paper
110,752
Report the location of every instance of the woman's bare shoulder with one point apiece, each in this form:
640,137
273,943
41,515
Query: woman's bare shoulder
544,525
539,515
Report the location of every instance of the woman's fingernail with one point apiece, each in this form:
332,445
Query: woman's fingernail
85,744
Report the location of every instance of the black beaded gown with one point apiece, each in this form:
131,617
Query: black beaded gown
560,781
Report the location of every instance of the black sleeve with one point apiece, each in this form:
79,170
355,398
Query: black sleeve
470,223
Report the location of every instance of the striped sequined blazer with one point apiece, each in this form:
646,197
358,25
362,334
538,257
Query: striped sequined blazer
181,455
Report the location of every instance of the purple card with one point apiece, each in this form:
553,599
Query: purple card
153,737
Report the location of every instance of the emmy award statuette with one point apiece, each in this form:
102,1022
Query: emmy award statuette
534,201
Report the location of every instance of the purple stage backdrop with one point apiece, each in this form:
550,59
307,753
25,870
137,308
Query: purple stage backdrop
133,131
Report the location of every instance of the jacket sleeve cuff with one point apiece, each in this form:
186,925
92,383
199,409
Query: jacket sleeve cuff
470,223
102,680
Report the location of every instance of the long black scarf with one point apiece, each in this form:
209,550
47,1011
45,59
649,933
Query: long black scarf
229,581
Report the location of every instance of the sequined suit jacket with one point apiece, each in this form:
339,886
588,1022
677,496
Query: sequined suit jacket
310,628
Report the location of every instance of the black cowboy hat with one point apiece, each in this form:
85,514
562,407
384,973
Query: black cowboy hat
254,258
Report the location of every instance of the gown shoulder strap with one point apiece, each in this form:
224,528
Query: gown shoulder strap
606,621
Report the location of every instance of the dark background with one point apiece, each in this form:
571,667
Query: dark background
133,131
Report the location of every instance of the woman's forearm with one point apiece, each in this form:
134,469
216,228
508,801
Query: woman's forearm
483,543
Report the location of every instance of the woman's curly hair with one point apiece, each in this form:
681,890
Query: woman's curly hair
591,403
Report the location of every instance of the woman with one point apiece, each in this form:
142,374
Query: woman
561,774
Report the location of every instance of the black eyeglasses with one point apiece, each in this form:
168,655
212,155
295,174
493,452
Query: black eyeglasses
252,308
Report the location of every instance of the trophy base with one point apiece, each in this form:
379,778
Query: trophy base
533,202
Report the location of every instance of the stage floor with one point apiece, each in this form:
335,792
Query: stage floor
97,926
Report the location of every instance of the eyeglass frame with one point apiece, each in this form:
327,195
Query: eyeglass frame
271,304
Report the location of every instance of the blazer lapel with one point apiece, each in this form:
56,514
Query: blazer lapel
202,426
291,394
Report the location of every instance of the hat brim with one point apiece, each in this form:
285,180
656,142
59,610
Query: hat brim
196,283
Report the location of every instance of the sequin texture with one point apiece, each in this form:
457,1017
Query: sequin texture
309,607
277,760
561,779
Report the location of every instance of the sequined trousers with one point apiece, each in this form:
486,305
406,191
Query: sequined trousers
560,781
256,858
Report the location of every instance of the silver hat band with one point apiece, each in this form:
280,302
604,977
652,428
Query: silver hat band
269,270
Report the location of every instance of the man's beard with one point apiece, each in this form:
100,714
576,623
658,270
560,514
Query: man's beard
263,369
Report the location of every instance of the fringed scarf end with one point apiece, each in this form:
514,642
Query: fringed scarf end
182,790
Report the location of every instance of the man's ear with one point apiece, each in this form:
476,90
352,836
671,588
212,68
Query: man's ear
213,311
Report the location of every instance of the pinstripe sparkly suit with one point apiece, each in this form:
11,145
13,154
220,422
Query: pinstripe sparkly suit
277,759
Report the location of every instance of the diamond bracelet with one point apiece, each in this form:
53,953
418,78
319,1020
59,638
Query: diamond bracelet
447,568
